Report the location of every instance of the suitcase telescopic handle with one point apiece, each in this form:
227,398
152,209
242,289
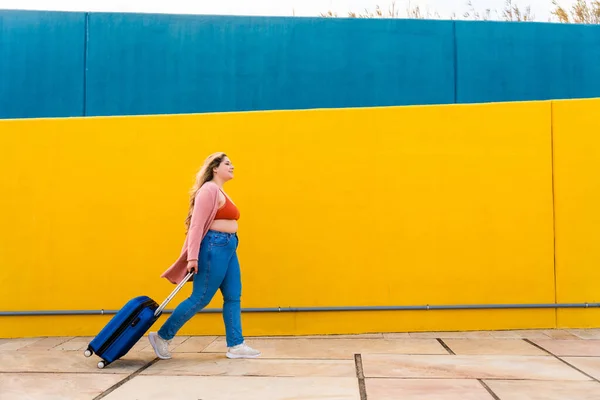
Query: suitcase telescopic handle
160,309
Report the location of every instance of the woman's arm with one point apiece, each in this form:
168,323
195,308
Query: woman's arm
203,207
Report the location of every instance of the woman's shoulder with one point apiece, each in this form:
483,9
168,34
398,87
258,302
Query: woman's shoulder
209,187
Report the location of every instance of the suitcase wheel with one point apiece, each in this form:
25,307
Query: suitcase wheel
102,364
88,352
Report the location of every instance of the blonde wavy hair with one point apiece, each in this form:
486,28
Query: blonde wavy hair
204,175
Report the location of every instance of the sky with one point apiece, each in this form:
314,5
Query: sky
540,8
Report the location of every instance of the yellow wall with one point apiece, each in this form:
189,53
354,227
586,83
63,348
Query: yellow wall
382,206
577,187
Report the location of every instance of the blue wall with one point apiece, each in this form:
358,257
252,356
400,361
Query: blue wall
526,61
66,64
150,64
41,64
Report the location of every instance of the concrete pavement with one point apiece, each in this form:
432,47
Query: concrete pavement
507,365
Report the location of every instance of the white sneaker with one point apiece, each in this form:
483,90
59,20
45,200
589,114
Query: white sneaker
242,351
160,346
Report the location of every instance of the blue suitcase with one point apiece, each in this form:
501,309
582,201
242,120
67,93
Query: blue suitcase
127,327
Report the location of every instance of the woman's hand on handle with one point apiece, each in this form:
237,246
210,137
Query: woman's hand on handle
192,265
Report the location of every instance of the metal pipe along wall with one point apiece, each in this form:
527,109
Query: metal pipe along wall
322,309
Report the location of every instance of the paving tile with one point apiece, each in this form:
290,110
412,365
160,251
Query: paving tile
519,334
560,334
142,344
53,387
75,344
585,333
71,345
451,335
335,348
576,347
212,364
357,336
46,343
68,361
417,389
81,343
589,365
399,335
16,344
194,344
543,390
145,387
493,347
468,367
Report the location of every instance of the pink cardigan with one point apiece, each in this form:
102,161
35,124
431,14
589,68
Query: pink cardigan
205,208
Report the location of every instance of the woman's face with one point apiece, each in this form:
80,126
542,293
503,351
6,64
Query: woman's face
225,170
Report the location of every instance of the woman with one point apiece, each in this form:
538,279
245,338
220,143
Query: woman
210,251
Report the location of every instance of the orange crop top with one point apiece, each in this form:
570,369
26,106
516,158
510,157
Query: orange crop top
228,211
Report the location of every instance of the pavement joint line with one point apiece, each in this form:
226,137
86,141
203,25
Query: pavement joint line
490,391
444,345
361,376
561,360
125,380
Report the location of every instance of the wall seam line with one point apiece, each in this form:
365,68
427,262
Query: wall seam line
85,61
553,210
455,62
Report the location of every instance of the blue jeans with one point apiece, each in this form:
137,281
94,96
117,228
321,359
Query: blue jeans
218,268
